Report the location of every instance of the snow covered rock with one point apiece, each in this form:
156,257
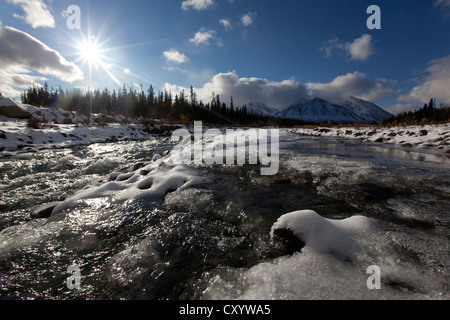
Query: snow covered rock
11,109
323,236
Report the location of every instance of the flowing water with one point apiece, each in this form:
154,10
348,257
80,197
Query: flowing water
213,240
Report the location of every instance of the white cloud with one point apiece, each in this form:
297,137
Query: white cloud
225,23
282,94
36,12
203,37
247,19
172,68
444,6
175,56
14,79
330,45
435,85
445,3
359,50
400,108
196,4
21,53
245,90
352,84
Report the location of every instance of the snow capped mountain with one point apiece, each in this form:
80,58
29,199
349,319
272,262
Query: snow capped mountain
319,111
369,111
261,109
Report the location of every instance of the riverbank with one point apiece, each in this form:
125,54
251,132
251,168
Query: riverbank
17,136
26,128
55,128
427,137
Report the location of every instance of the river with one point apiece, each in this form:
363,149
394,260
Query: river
212,239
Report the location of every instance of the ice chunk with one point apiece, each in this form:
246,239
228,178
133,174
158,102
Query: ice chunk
323,235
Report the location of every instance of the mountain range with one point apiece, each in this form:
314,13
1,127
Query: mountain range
261,109
317,110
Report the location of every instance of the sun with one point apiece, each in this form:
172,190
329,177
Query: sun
90,51
93,54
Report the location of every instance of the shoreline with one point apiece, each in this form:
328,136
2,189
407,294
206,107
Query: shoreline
415,137
17,137
59,129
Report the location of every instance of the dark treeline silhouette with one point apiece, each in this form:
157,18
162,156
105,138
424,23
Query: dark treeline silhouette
429,114
40,96
127,101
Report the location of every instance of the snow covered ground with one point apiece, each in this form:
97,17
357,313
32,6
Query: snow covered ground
429,137
62,129
16,135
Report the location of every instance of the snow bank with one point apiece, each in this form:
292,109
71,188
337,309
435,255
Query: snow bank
56,115
431,137
57,128
18,136
12,110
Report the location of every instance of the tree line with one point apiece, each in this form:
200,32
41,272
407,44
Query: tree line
135,103
185,107
428,114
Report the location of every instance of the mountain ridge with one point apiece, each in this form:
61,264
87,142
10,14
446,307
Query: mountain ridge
317,110
258,108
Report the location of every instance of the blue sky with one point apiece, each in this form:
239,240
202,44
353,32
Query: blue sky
274,52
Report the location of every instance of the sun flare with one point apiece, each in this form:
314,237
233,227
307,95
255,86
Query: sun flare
90,52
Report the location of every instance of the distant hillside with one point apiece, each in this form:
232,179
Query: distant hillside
319,111
260,109
369,111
